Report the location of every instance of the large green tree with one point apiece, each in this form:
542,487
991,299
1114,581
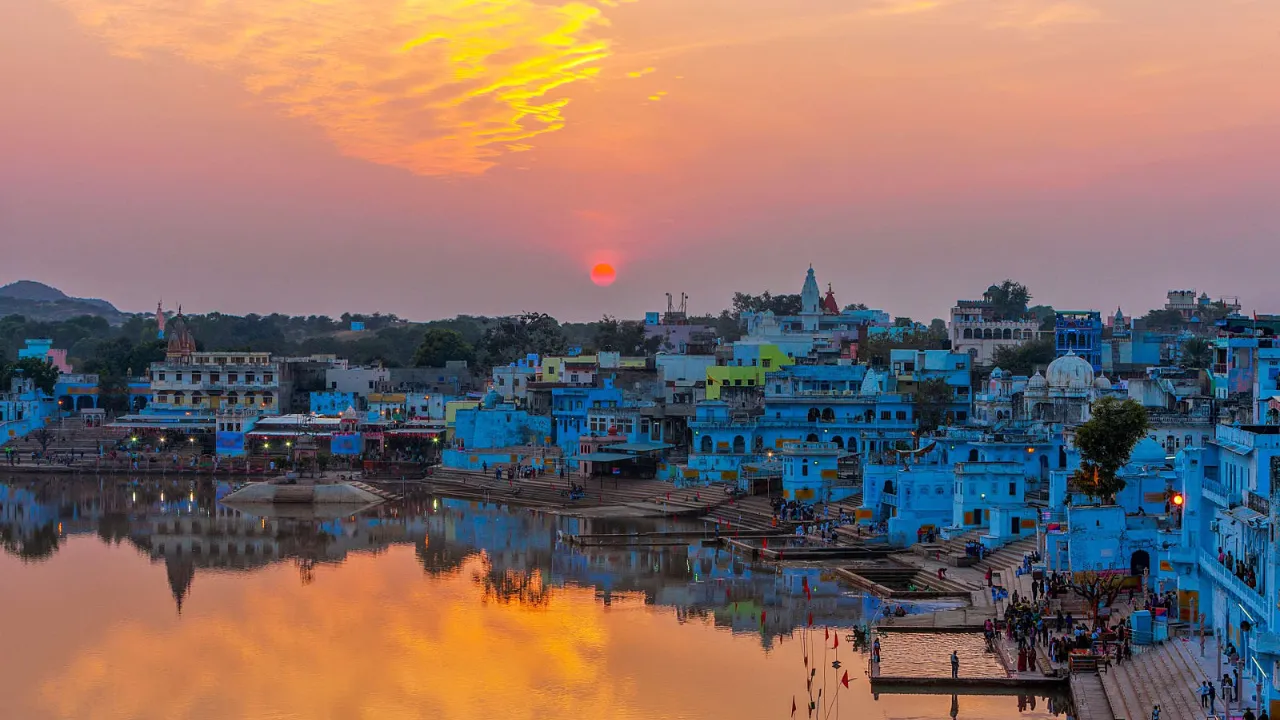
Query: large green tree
1024,359
624,336
1105,443
519,335
875,350
439,346
1009,300
1197,354
932,399
44,373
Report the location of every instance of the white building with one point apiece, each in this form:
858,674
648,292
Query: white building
975,330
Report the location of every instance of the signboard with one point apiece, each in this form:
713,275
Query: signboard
230,444
346,444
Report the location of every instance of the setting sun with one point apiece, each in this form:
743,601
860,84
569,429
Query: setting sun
603,274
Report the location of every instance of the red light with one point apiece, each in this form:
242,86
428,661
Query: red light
1177,500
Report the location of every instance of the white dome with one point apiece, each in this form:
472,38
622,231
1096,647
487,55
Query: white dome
1102,383
1148,452
1068,371
1036,381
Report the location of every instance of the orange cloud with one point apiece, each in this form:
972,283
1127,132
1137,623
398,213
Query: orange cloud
432,86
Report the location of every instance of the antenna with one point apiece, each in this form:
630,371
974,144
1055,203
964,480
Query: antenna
684,302
670,308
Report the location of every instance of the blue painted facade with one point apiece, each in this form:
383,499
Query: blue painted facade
24,408
332,403
503,426
1080,331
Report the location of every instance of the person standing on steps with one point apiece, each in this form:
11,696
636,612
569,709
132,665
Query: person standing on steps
955,665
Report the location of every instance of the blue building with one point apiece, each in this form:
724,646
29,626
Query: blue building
24,408
333,403
1080,332
861,410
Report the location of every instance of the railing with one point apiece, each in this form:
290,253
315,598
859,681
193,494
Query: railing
889,498
1219,493
1225,578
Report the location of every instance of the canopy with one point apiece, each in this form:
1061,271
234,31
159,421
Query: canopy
604,457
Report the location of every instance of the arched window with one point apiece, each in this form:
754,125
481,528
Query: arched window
706,444
828,415
804,466
814,414
739,444
813,437
1008,334
973,455
968,333
839,441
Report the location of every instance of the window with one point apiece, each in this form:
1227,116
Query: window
766,362
268,378
249,377
804,466
573,377
162,376
884,415
215,377
195,377
234,377
901,415
1013,489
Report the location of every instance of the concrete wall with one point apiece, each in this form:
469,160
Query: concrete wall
500,428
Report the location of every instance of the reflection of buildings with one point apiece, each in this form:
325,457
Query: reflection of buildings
520,558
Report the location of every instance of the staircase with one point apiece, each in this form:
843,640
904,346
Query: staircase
71,436
1163,674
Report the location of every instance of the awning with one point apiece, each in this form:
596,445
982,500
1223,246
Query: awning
605,457
640,447
1247,515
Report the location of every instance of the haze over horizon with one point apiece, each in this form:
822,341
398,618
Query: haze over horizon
444,157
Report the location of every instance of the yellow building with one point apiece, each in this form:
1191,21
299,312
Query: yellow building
747,368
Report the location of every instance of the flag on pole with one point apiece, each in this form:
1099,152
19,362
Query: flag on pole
845,680
810,618
837,642
826,633
793,706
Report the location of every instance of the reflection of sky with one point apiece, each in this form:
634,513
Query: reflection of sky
376,636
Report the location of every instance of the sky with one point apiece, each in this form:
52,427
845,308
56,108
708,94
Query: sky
435,157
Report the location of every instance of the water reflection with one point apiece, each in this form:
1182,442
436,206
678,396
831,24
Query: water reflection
427,607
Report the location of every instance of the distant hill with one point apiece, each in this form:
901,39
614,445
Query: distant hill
37,301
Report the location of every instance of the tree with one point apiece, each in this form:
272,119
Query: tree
1009,300
778,304
932,399
1197,354
440,346
853,307
519,335
43,435
903,322
623,336
1047,316
1164,319
1097,589
1025,358
1105,442
42,372
938,327
875,349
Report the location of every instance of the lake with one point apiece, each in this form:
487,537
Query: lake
138,599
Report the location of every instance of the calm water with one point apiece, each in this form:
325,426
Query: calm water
134,601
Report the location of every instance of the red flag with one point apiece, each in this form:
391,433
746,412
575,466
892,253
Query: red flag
804,583
793,706
808,595
826,633
810,618
761,617
845,680
837,643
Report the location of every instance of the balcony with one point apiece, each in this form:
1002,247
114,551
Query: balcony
1232,584
1218,493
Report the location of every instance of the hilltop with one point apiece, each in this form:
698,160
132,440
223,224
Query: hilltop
37,301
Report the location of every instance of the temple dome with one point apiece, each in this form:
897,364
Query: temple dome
870,383
1068,371
1102,383
1148,452
1037,382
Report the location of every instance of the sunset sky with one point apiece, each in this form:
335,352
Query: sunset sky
435,157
